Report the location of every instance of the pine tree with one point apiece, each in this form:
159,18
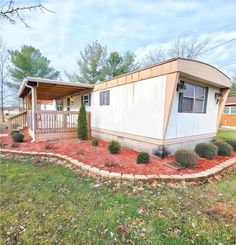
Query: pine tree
82,124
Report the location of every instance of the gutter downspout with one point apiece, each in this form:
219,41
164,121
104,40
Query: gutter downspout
33,110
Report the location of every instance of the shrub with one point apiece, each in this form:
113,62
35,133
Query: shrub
142,157
206,150
95,142
18,137
114,147
14,131
186,158
232,143
224,149
82,130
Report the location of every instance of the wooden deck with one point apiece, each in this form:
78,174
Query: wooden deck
49,124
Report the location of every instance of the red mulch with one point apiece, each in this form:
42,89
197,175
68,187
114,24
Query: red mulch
124,162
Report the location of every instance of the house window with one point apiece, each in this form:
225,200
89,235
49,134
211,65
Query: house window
105,97
59,104
86,99
226,110
72,100
68,104
233,110
230,110
193,99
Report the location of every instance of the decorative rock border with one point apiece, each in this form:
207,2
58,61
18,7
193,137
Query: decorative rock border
93,171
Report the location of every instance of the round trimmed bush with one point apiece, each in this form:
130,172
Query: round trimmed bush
95,142
142,157
206,150
114,147
186,158
232,143
18,137
14,131
224,149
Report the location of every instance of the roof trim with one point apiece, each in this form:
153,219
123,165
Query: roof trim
51,81
161,63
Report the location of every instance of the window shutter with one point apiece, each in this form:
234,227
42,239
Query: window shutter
100,99
81,97
206,98
180,108
108,97
89,99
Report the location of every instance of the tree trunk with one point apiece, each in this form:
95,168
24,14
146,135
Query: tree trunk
2,109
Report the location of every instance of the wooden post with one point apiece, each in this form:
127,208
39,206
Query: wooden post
64,120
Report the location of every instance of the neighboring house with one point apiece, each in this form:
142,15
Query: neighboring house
176,104
11,110
228,119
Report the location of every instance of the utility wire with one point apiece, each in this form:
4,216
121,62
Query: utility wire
227,64
218,46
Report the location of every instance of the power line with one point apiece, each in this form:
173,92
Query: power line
227,64
218,46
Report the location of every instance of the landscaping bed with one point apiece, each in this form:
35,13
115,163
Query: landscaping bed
100,157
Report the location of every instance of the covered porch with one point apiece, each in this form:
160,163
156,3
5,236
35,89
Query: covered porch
48,124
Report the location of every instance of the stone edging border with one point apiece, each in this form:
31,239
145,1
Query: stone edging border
92,171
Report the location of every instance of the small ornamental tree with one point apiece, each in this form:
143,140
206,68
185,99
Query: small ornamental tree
82,130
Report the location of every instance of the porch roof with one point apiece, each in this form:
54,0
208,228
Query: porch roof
48,89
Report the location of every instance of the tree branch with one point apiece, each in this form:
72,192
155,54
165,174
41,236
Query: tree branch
9,12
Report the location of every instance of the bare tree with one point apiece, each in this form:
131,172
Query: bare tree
153,57
191,48
4,92
12,13
188,47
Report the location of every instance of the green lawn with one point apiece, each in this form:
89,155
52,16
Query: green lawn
50,204
226,134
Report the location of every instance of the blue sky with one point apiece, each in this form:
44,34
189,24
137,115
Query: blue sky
135,25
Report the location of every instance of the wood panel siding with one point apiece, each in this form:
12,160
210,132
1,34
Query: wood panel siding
228,120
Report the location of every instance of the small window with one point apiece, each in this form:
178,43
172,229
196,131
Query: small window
226,110
86,99
59,105
105,97
233,110
72,100
193,99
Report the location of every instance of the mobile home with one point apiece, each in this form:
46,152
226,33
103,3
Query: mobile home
176,103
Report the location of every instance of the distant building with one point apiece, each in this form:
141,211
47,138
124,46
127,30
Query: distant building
230,106
228,119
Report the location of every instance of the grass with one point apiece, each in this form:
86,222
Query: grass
50,204
226,134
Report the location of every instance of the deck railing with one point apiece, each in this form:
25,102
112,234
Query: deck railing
48,121
19,121
57,121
